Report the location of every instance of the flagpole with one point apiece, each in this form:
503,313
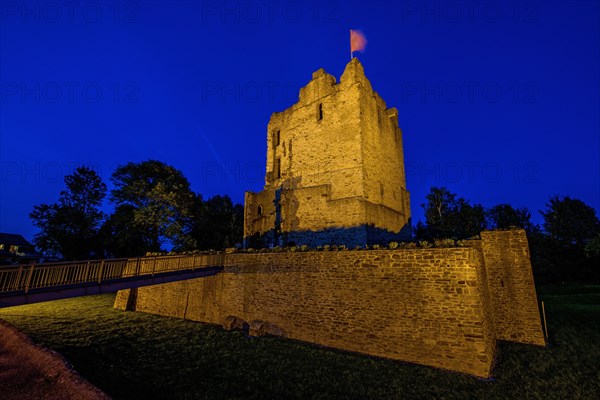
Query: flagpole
351,55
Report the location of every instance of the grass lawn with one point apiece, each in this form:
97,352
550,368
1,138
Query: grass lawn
140,356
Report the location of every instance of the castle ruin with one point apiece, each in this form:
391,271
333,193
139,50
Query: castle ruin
335,169
335,175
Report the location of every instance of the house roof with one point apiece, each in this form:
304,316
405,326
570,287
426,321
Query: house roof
13,239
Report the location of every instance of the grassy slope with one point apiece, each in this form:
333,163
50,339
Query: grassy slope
133,355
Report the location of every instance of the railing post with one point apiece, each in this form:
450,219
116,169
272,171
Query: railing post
87,272
138,266
100,269
18,281
154,264
29,278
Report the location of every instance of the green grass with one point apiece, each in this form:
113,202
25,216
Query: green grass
141,356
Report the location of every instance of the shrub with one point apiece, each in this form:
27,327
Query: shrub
304,248
424,244
392,245
443,242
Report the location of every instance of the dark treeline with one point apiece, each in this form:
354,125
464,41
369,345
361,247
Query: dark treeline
154,209
565,247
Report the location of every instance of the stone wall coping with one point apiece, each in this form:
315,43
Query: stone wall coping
352,251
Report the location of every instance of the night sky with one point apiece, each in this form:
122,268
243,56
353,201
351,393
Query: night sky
498,101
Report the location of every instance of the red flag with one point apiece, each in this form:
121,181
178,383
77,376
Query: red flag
358,41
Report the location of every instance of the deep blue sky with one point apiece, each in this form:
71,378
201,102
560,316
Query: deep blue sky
498,101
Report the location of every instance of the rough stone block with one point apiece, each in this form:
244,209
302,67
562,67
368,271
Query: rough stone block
232,323
263,328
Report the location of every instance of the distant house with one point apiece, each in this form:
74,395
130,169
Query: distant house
16,249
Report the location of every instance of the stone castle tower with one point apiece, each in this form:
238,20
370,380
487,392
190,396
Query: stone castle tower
335,169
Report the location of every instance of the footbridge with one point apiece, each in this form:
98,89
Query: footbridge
33,283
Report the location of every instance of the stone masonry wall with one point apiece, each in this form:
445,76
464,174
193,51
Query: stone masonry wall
512,290
422,306
440,307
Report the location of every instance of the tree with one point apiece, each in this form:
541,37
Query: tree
592,248
51,236
449,217
69,228
439,206
570,221
565,249
467,220
217,223
120,237
420,232
159,199
505,216
438,210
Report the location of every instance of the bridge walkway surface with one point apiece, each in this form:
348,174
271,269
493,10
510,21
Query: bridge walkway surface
33,283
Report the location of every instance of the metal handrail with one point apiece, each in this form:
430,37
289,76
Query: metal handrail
33,276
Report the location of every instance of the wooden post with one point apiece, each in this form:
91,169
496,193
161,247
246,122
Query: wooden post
87,272
63,274
100,269
153,265
18,281
29,278
544,315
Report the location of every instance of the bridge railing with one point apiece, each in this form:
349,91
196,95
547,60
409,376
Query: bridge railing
32,276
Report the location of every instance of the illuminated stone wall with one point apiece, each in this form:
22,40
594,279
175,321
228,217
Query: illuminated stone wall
439,307
512,290
334,161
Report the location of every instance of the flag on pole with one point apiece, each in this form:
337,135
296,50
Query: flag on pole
358,41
